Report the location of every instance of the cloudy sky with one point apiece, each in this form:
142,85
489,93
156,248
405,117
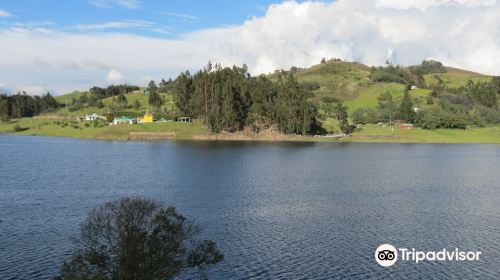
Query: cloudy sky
61,46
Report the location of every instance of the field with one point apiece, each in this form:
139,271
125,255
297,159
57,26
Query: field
348,82
196,130
130,111
44,127
456,77
375,133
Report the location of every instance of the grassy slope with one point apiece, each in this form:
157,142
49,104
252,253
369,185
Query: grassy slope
120,132
131,98
46,124
350,83
375,133
454,77
342,80
66,98
346,81
355,89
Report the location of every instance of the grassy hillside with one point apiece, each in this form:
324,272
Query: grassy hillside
350,83
346,81
454,77
375,133
66,98
130,111
68,128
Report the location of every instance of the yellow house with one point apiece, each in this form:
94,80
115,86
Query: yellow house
148,118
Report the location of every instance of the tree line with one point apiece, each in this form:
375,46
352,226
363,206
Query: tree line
229,99
472,104
95,95
413,75
22,105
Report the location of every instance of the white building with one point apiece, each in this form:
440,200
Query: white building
94,117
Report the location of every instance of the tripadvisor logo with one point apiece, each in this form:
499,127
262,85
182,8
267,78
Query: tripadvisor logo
387,255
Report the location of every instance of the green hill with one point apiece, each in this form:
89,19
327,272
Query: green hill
350,83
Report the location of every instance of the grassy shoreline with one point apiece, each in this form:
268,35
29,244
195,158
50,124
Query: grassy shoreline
198,132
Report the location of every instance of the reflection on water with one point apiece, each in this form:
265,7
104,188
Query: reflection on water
277,210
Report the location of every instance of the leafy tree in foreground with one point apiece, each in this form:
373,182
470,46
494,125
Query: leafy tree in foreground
135,238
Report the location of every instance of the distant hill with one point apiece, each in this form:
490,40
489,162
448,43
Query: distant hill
348,82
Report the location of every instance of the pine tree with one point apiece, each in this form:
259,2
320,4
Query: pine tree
406,108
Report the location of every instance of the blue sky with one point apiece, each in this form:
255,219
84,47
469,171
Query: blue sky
61,46
162,18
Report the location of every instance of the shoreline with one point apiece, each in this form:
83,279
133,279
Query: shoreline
285,139
196,131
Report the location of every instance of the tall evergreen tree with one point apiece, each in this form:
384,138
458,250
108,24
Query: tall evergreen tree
122,101
406,108
155,101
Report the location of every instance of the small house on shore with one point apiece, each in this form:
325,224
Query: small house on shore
93,117
124,120
184,119
147,118
406,126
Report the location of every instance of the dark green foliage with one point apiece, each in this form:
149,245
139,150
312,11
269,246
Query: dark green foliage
122,101
227,99
310,86
183,89
76,107
439,118
427,67
406,108
99,104
204,255
431,66
360,116
334,109
165,86
23,105
294,112
48,103
137,239
155,99
391,74
152,88
387,108
110,91
137,105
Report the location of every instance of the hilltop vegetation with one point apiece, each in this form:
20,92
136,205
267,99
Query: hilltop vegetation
331,97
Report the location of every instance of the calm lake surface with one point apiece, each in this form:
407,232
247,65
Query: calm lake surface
276,210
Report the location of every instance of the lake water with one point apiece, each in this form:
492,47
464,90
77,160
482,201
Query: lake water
276,210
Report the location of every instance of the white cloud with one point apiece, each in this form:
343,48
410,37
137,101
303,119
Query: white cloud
5,14
181,16
114,76
424,4
129,4
28,88
459,33
126,24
